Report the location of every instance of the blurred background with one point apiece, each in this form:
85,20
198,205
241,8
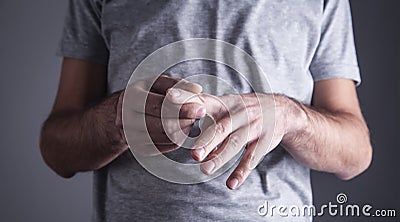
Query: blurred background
30,191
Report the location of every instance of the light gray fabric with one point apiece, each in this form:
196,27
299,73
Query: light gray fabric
296,42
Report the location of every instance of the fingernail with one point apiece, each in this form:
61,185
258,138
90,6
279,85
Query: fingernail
174,92
208,166
199,153
201,112
233,183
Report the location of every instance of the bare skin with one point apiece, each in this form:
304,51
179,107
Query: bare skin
149,119
83,132
329,136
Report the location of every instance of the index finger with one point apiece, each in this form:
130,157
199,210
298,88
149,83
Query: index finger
163,82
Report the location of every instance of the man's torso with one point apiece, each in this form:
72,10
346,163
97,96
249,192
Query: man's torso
282,37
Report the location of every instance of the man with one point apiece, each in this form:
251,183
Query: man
305,47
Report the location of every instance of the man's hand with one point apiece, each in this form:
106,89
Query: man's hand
239,120
150,119
332,139
84,129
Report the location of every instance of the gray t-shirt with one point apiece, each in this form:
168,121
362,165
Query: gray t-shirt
296,42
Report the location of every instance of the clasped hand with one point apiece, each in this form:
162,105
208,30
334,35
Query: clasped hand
253,121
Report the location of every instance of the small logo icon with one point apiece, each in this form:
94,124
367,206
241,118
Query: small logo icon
341,198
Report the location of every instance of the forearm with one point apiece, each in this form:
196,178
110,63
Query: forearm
82,140
335,142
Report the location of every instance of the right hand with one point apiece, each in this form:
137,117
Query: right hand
151,120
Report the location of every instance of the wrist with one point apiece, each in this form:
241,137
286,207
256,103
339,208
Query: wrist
292,116
118,118
118,104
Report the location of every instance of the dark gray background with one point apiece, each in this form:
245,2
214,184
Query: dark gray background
29,191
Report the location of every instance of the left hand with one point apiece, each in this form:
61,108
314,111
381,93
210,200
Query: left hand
256,121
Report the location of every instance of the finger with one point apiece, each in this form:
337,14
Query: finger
158,84
139,135
147,148
143,101
152,150
228,149
177,130
177,138
174,129
160,138
186,111
141,128
255,153
252,131
258,149
163,83
137,96
216,134
166,125
241,172
186,100
210,138
135,137
155,105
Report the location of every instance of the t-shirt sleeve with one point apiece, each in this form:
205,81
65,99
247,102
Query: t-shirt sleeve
335,56
82,35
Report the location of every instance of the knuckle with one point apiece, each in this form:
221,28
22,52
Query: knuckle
169,124
166,111
167,128
240,173
186,131
186,123
251,160
235,141
187,110
251,157
220,128
218,160
258,127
